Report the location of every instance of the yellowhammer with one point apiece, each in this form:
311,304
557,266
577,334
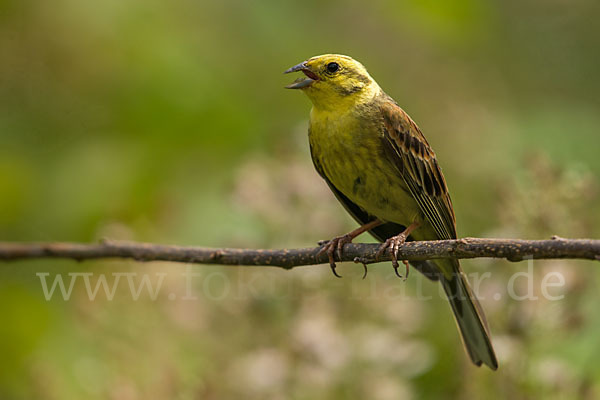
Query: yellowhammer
381,168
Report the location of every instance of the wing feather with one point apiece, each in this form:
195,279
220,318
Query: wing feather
408,149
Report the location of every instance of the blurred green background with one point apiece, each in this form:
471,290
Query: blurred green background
168,122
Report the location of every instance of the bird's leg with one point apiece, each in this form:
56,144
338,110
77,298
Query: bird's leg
394,244
336,245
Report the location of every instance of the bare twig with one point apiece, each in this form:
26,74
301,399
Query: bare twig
511,249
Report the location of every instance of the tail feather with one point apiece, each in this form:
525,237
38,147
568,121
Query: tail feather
468,314
469,317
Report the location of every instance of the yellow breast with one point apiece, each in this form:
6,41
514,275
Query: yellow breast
348,147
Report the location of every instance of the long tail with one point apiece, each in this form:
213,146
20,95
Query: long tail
469,317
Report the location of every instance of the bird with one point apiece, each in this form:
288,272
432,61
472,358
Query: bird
379,165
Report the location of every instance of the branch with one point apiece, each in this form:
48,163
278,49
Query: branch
510,249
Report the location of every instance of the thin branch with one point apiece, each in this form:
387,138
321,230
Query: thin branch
510,249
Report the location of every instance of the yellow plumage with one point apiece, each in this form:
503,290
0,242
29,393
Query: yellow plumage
381,168
351,159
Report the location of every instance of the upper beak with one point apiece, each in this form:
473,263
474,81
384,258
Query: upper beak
303,82
295,68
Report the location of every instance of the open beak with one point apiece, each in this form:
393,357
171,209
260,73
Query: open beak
303,82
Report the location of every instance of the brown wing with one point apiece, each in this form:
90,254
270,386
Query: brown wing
408,149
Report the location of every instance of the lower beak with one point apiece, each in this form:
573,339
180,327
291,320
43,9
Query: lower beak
300,83
303,82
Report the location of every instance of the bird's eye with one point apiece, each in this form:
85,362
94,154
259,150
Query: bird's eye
332,67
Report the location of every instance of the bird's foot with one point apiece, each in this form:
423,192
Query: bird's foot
334,247
394,244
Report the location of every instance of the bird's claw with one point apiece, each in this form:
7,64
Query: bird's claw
405,277
364,263
333,247
394,244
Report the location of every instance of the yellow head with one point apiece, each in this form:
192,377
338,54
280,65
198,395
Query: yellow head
334,81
